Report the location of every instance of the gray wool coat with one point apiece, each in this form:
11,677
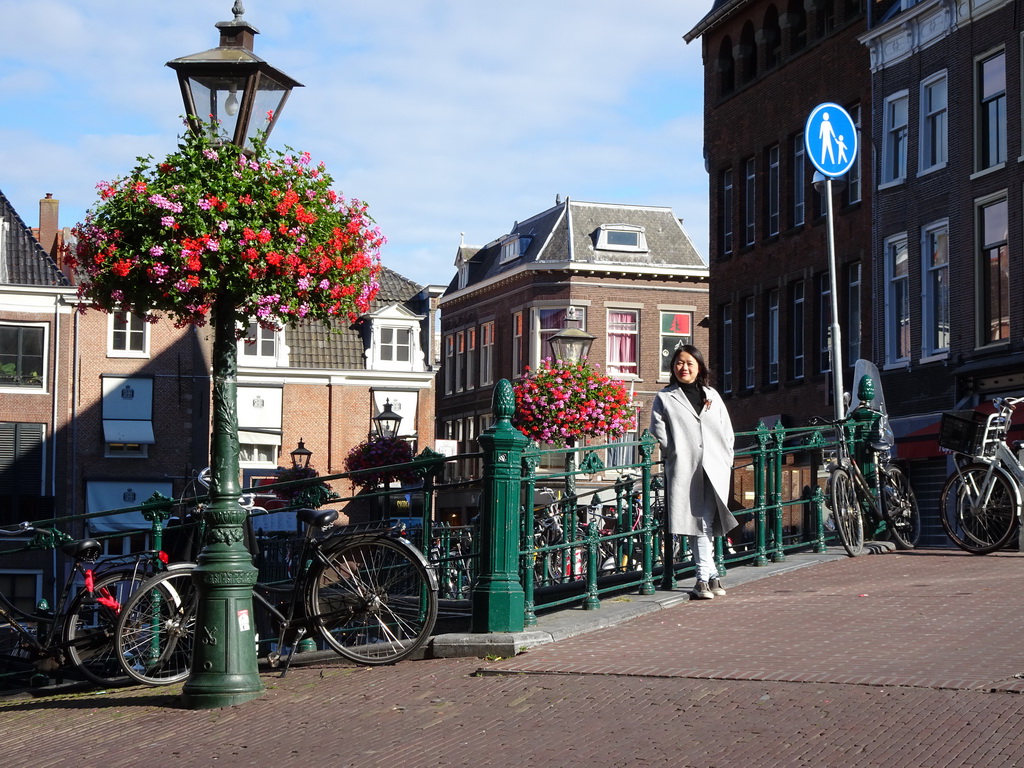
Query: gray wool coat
694,444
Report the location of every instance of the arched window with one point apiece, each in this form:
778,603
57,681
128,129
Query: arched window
725,67
796,19
748,52
772,36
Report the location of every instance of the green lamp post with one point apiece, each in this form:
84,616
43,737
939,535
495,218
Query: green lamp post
227,88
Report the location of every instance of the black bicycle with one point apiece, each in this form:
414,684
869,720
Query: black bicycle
368,594
79,630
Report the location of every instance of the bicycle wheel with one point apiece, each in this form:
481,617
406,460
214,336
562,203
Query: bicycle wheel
373,600
900,507
156,629
91,624
973,526
846,511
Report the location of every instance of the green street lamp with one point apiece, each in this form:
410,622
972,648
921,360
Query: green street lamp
301,456
228,86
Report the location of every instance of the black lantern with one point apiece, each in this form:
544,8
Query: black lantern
228,90
387,421
300,456
572,343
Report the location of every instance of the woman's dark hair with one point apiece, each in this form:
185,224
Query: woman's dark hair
704,376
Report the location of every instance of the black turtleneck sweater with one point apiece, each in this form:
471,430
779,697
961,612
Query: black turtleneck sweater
695,394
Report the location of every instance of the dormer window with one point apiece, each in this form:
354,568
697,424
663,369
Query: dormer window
514,247
463,275
622,237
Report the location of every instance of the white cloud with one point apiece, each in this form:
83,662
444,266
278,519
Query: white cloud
445,115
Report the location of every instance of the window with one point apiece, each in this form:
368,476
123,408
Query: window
517,344
513,247
623,338
396,345
725,214
894,151
620,454
460,359
853,312
449,364
933,122
726,366
22,362
852,192
773,336
824,323
471,358
21,473
993,272
621,237
548,322
897,300
487,353
127,335
797,326
749,342
750,209
799,179
726,68
773,191
991,90
676,330
260,346
935,276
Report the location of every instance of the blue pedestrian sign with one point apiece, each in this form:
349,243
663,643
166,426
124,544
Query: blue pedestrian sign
830,138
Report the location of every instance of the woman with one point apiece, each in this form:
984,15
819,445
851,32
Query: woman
691,423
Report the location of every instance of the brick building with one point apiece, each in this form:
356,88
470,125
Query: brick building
632,275
767,64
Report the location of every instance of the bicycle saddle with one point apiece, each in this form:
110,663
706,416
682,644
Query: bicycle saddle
317,517
84,549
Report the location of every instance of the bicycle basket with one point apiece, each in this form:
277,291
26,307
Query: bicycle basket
963,432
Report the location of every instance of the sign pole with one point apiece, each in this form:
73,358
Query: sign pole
835,335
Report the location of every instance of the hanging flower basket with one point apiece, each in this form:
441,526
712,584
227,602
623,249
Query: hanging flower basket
378,453
264,229
562,402
312,494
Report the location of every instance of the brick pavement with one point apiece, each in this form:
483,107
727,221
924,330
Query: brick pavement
902,659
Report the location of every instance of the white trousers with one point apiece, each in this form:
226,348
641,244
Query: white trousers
702,546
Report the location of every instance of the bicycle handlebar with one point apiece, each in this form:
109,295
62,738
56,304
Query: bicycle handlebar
22,528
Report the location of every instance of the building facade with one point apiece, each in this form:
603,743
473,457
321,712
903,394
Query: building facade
631,276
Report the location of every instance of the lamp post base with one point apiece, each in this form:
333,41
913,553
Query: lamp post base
225,668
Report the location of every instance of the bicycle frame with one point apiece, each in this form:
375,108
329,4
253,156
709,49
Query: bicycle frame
1002,459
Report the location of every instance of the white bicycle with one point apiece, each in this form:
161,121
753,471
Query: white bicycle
982,499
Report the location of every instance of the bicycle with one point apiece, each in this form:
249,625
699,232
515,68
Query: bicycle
883,494
981,500
368,594
79,631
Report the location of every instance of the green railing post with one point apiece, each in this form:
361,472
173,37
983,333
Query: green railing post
592,602
775,494
818,503
157,510
647,443
498,600
529,570
760,467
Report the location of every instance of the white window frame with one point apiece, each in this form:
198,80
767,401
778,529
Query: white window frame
984,311
934,126
774,170
824,323
853,287
798,353
773,336
623,369
460,360
539,337
799,180
727,347
749,342
471,358
853,176
517,343
727,214
43,387
267,351
609,233
449,364
982,107
898,340
750,202
671,336
486,353
135,329
896,116
935,289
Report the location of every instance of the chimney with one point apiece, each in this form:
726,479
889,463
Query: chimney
48,217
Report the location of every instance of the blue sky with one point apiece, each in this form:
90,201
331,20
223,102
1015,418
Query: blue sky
446,116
